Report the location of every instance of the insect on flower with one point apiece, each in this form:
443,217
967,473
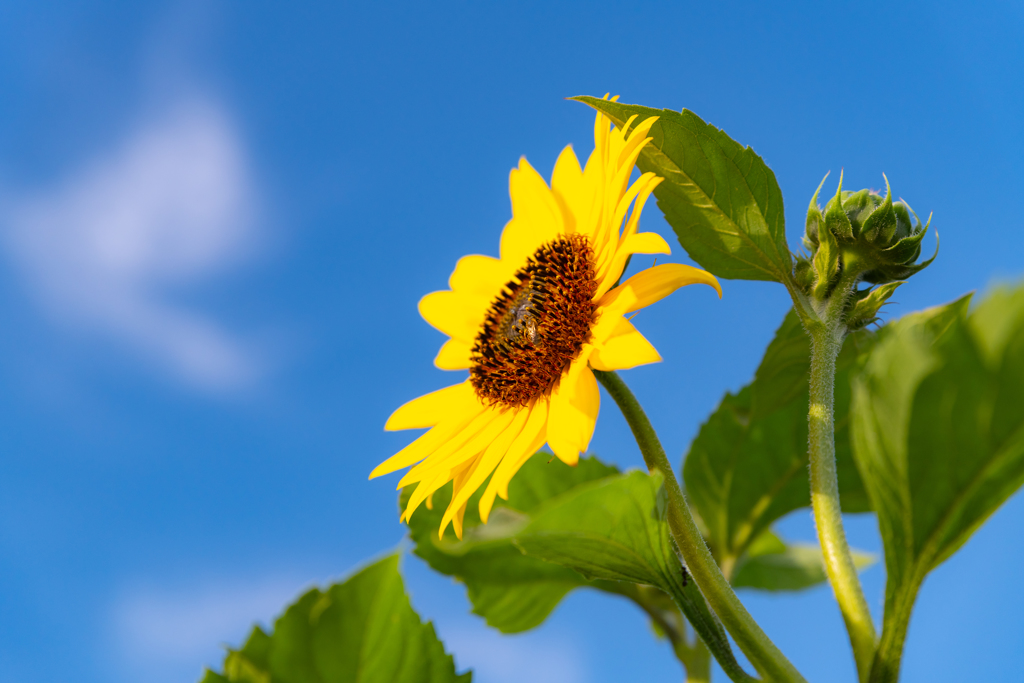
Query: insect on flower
530,326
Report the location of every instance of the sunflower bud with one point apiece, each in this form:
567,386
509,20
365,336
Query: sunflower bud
866,304
865,237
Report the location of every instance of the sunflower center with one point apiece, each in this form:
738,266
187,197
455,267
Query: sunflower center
537,325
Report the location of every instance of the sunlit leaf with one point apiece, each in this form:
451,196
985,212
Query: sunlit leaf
939,439
747,467
616,530
514,591
721,199
363,631
771,564
511,591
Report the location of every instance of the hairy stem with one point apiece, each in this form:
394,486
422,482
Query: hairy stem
759,649
888,656
826,343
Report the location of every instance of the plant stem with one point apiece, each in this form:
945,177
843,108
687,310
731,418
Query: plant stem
826,343
759,649
886,665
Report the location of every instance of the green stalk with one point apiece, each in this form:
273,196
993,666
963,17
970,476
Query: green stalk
759,649
826,342
888,656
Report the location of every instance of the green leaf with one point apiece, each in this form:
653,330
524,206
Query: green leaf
865,309
251,664
363,630
721,199
997,321
826,262
613,529
214,677
616,530
836,220
815,220
939,439
771,564
511,591
514,591
747,467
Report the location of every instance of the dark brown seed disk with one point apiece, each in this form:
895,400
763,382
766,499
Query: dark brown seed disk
537,325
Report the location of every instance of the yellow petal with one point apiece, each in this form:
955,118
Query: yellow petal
456,314
654,284
636,141
638,192
455,354
610,269
457,521
416,451
574,407
455,460
423,491
607,236
485,465
647,183
618,158
567,178
456,511
438,458
426,443
536,217
625,349
531,438
609,312
645,243
570,190
460,447
429,409
479,276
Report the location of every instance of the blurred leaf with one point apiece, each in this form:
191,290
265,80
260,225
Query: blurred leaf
514,591
363,630
939,439
771,564
747,467
511,591
616,530
251,664
721,199
214,677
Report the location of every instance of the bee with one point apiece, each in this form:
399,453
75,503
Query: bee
521,325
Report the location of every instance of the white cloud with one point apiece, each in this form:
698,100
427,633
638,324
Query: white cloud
169,633
534,657
106,249
164,635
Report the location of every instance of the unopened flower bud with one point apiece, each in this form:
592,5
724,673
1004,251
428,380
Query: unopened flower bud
862,232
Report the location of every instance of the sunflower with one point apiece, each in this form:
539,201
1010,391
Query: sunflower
531,325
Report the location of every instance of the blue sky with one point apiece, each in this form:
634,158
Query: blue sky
216,220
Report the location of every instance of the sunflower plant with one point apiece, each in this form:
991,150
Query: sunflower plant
918,420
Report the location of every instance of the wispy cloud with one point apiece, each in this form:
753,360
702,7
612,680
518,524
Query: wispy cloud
177,632
164,635
106,249
533,657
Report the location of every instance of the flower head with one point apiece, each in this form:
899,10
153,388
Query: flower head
860,234
529,326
